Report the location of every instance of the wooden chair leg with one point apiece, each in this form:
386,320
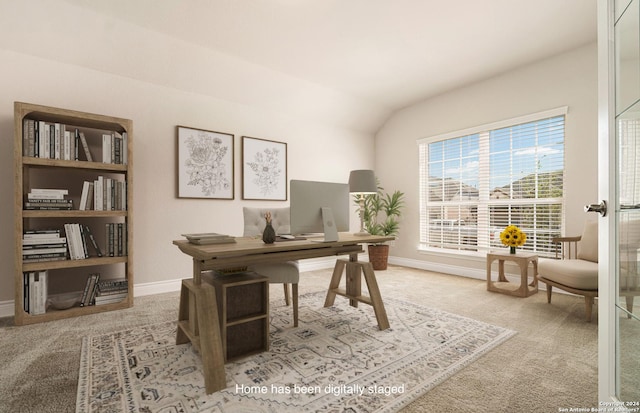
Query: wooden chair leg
294,290
286,293
549,287
588,307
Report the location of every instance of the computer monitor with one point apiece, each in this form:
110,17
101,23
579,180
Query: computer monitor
319,207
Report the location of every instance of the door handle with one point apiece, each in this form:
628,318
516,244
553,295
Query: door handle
600,208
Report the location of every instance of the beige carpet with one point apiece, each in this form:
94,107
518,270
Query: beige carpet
550,364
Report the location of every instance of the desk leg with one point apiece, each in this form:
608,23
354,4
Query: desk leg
374,294
183,314
210,340
198,323
353,289
354,280
335,283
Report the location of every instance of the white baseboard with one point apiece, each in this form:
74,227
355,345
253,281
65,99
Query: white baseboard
7,308
438,267
159,287
168,286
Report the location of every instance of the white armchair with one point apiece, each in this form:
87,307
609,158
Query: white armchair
577,270
282,272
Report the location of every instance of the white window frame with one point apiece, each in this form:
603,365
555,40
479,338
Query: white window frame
483,202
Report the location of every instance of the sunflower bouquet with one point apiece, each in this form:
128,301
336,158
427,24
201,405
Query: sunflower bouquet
513,237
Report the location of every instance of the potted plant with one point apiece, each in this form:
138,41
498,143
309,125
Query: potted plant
380,213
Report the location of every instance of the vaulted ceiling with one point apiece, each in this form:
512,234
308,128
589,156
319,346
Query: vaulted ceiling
391,52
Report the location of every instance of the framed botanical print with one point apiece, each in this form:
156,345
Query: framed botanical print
205,164
264,169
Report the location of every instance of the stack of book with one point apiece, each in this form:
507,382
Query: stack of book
35,292
43,245
104,194
111,291
209,238
54,199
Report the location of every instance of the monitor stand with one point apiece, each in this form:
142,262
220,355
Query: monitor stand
330,230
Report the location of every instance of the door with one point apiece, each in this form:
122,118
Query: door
619,185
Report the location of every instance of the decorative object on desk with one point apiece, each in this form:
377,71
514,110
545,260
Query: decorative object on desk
513,237
205,164
209,238
269,234
362,182
381,212
337,352
264,169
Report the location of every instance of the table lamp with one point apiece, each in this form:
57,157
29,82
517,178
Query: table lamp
362,182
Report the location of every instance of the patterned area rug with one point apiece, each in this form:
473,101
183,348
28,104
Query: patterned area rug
337,360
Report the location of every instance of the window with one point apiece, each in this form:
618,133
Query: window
476,182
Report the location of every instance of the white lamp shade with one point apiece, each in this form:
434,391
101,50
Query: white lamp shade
363,181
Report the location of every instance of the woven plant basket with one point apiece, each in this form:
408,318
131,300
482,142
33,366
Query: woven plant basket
378,256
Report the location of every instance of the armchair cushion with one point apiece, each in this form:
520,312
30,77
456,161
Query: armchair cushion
578,274
588,245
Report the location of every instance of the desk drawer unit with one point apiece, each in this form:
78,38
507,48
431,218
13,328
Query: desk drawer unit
243,311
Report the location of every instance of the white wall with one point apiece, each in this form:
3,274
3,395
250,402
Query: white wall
317,150
566,80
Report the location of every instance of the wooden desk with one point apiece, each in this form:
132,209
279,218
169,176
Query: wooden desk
198,314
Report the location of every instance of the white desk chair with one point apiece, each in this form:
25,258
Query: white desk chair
283,272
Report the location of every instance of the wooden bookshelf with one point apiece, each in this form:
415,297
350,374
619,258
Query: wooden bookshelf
69,172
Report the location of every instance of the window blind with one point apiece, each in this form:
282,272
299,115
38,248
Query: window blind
473,186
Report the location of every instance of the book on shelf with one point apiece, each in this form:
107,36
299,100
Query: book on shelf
75,242
89,290
80,238
41,233
209,238
47,204
114,148
116,239
110,299
86,198
92,240
49,192
42,139
43,245
52,140
85,145
43,241
35,292
109,194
